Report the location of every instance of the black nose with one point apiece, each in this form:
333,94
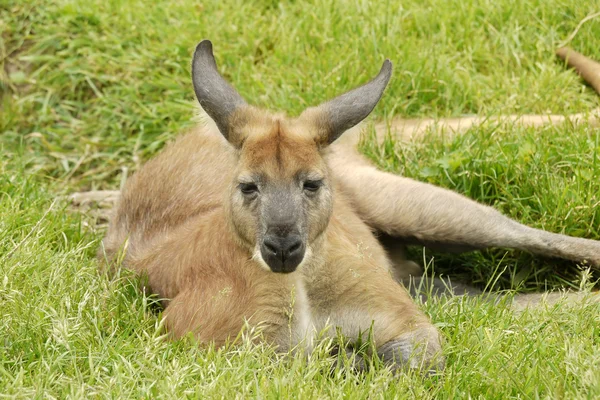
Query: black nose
282,253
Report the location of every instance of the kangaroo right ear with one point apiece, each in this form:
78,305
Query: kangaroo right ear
217,97
342,113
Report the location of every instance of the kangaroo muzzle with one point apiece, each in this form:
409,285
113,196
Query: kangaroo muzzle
283,253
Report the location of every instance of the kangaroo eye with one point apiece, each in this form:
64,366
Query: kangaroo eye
312,186
248,188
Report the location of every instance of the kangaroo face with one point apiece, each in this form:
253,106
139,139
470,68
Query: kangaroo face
281,199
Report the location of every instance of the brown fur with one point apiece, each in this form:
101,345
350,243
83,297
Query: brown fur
587,68
186,227
173,214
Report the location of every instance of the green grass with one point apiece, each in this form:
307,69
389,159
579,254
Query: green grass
91,89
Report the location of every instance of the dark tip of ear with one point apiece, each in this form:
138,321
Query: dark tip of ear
385,73
386,68
205,44
204,53
205,47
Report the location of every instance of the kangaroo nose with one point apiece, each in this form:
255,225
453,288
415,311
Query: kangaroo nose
282,254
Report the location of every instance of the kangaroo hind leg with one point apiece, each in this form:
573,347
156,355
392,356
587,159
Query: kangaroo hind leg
421,213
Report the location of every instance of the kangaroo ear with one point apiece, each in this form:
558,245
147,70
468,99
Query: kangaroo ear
342,113
215,95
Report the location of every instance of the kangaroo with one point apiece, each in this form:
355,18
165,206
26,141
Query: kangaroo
264,219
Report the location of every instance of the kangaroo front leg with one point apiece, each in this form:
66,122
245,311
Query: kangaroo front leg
217,312
424,214
354,295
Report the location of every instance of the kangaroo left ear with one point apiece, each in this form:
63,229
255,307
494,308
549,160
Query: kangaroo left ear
217,97
342,113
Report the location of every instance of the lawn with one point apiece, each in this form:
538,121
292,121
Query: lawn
91,89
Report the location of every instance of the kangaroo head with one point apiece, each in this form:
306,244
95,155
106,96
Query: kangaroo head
281,199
